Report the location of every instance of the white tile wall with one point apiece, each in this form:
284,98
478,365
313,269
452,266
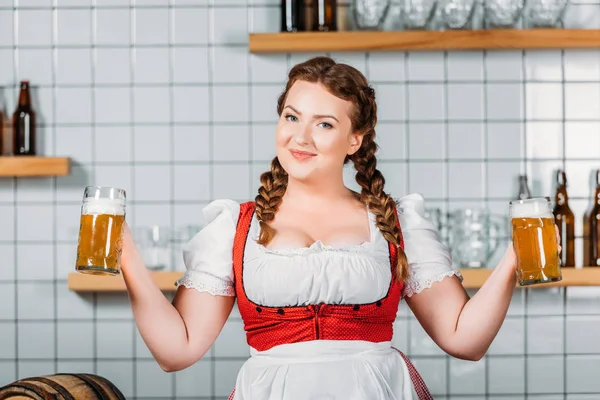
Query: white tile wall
153,98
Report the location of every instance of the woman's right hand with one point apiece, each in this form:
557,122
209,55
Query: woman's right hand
130,256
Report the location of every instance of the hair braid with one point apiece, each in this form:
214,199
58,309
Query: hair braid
274,184
379,202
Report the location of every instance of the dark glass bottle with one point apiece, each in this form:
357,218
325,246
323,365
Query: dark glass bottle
591,229
565,220
524,192
23,131
293,15
324,15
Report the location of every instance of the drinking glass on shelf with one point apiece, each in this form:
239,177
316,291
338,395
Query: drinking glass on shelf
369,14
417,14
474,237
456,14
155,246
502,13
545,13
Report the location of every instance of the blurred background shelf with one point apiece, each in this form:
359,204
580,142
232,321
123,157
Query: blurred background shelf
473,279
33,166
423,40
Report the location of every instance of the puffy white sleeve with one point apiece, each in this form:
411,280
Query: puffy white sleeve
429,260
208,256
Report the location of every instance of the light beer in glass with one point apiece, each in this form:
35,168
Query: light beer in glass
534,240
101,231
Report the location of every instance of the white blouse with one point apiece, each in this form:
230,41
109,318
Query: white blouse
354,274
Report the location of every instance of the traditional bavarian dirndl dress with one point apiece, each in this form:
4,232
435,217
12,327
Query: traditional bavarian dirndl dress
318,320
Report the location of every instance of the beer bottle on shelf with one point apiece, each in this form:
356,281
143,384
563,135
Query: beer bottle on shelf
524,192
565,220
591,229
293,15
324,15
23,129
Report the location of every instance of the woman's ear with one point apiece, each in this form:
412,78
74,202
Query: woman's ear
355,143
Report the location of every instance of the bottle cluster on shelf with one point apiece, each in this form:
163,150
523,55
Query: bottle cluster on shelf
315,15
566,221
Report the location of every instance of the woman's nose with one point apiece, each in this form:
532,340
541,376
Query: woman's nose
302,135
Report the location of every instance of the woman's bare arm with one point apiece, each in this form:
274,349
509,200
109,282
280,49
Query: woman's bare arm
463,327
178,334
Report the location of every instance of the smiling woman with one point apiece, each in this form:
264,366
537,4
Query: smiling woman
318,270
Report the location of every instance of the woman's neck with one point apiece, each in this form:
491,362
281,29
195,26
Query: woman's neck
314,193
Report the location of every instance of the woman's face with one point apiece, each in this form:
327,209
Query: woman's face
314,133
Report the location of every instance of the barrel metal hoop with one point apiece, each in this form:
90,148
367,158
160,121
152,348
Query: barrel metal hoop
27,386
56,386
108,383
98,390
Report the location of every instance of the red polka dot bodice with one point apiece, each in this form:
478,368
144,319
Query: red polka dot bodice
271,326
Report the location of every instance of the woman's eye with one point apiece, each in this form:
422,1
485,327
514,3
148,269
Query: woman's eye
325,125
291,118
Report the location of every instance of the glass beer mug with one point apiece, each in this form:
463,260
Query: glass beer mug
100,241
534,240
473,237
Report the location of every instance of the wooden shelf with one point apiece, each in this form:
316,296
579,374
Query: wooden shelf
423,40
33,166
589,276
79,282
473,279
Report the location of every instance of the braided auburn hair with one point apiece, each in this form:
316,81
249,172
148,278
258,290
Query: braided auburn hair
346,83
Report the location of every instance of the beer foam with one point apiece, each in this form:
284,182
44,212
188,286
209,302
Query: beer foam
103,206
530,209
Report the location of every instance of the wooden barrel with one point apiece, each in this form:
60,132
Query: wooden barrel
62,387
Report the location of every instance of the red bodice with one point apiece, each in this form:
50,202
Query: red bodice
267,327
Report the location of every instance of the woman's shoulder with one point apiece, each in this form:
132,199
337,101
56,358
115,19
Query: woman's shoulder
221,208
410,206
411,201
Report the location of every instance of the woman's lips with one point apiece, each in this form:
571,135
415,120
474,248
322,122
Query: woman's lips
302,155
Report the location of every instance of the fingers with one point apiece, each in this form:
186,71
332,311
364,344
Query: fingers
128,242
126,229
510,253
